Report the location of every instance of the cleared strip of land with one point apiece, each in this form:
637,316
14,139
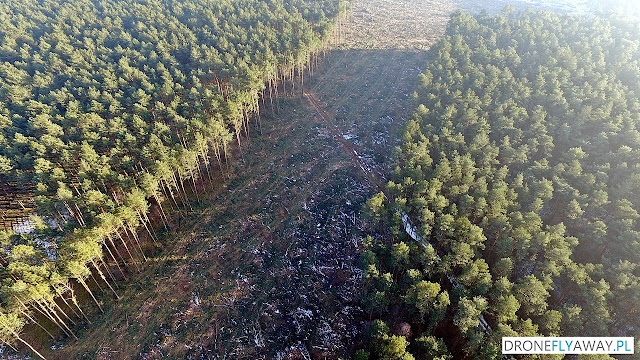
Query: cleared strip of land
264,267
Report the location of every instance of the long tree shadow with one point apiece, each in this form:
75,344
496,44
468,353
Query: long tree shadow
266,266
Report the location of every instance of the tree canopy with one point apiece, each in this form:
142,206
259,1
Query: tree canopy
109,106
520,168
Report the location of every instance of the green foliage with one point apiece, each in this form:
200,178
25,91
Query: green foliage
394,348
374,208
431,348
106,105
520,168
399,255
544,157
430,302
469,311
361,355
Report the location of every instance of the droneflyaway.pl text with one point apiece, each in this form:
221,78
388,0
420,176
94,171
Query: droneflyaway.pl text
567,345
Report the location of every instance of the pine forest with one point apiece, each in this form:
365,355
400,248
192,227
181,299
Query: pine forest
108,106
520,168
317,179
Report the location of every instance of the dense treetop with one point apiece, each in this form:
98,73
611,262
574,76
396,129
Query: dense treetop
521,166
108,105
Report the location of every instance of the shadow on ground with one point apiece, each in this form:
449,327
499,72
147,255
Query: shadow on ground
265,265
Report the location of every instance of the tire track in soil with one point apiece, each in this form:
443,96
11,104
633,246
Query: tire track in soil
373,173
349,148
388,67
376,179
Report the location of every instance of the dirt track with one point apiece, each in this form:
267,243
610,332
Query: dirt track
264,267
372,174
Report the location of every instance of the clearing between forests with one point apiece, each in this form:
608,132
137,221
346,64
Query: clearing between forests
265,264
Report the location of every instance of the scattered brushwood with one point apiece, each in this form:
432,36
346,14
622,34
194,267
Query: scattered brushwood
401,24
105,116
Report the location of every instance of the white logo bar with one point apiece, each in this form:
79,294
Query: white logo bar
567,345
